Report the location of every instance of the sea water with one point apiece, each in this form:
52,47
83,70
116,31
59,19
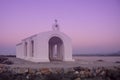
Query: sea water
95,58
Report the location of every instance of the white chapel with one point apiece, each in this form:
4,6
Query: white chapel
46,46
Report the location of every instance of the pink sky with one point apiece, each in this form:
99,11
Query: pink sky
93,25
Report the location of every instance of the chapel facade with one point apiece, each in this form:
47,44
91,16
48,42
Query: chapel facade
46,46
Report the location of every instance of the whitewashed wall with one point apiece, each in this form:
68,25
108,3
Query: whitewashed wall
41,47
19,51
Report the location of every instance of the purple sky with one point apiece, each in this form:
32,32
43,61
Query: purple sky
93,25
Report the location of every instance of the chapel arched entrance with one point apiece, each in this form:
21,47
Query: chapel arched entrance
56,49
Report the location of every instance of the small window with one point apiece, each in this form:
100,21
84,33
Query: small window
25,49
32,48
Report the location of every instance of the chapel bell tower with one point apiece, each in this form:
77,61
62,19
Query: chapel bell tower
55,26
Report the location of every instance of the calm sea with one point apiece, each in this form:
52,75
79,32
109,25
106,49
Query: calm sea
95,58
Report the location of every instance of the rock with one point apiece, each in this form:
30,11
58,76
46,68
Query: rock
22,70
45,71
70,75
2,65
15,70
117,62
67,70
100,60
26,70
66,79
37,78
57,70
31,71
19,77
76,72
98,70
102,73
2,59
93,72
19,70
87,73
77,79
38,73
1,68
6,76
5,69
77,68
7,62
82,74
53,76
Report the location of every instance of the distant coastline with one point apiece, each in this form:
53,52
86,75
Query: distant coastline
7,55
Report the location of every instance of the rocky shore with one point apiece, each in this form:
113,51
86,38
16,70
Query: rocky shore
75,73
16,69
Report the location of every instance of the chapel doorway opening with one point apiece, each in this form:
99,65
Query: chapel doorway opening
56,49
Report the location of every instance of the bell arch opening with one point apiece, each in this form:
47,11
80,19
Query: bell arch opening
56,49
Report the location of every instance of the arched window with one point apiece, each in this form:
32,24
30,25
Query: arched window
32,48
25,47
